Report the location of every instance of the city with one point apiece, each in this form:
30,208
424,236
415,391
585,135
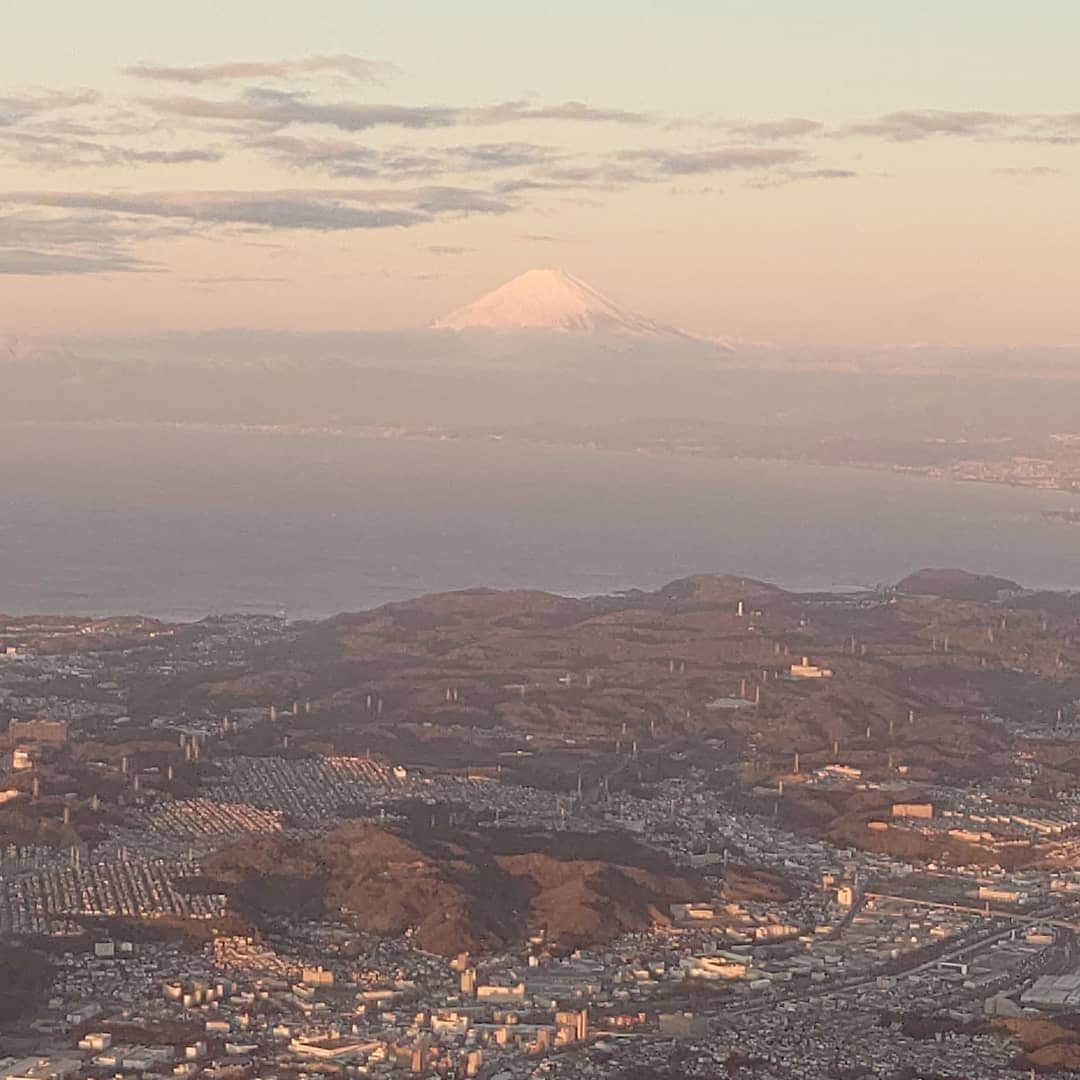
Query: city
716,829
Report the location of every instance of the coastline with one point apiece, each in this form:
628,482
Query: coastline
961,472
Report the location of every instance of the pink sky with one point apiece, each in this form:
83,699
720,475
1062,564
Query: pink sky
226,179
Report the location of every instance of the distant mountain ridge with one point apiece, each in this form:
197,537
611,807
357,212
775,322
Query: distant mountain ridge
556,302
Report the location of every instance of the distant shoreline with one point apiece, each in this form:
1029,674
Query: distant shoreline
959,473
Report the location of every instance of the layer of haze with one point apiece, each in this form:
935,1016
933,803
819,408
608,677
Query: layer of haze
772,171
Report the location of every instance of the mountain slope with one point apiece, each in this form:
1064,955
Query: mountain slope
455,892
554,301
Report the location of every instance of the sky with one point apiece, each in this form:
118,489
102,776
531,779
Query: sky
775,171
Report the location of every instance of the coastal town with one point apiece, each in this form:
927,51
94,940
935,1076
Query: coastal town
716,830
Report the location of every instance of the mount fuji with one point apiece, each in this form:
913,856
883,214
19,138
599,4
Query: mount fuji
555,302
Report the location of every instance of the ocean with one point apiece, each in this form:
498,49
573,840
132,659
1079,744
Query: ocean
178,523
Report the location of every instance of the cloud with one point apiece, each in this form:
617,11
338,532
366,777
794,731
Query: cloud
310,211
667,163
279,109
623,169
18,108
354,67
915,125
795,176
348,160
84,239
276,109
439,201
912,124
62,151
270,211
90,232
770,130
39,244
172,157
29,263
511,111
582,180
506,155
334,156
71,129
827,174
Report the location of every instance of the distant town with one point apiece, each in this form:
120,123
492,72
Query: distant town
720,829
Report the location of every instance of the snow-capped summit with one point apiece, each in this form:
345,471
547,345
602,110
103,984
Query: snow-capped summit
554,301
